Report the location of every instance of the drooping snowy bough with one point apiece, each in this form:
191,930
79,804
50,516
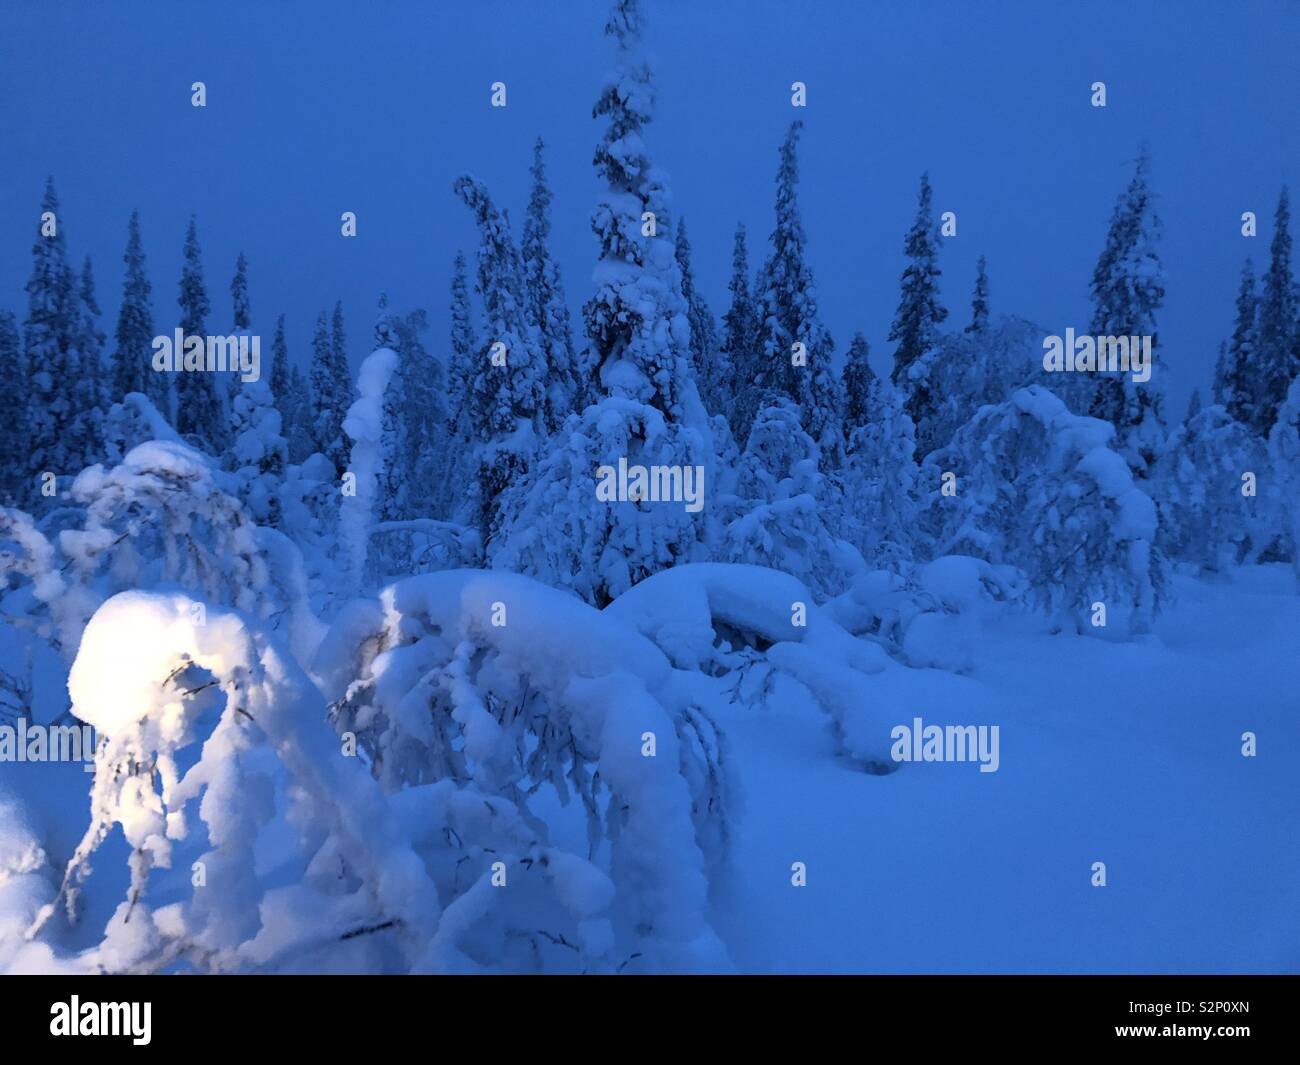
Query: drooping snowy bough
500,687
1042,489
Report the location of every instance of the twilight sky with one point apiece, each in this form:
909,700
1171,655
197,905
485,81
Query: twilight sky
317,108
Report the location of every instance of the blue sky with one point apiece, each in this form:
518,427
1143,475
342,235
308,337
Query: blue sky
317,108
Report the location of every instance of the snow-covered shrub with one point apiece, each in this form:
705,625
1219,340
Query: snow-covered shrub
162,517
1039,488
562,533
879,504
933,614
971,369
501,685
259,453
200,715
759,632
1284,452
777,516
1205,517
372,426
134,421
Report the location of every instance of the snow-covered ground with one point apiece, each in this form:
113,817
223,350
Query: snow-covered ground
1126,753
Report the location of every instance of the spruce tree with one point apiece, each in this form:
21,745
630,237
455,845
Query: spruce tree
198,407
297,432
426,449
738,361
279,377
1236,388
91,387
647,411
15,438
49,355
507,399
132,360
979,306
547,309
1275,345
464,347
705,357
331,392
859,384
1127,291
916,323
797,349
239,294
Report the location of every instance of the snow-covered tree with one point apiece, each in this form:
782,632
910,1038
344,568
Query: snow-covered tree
198,403
547,309
1206,516
917,320
1238,369
979,304
1037,487
132,366
15,438
797,349
778,516
859,384
461,364
259,453
331,390
239,294
970,369
1275,357
1284,453
705,357
1128,288
375,425
880,478
507,401
648,412
427,448
738,360
91,388
49,352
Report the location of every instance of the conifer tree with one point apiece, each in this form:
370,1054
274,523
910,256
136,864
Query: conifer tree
15,439
738,361
916,323
1275,352
330,392
796,347
91,392
49,353
859,382
979,306
239,294
705,357
464,346
426,450
198,408
507,400
647,411
1236,384
132,359
1127,290
547,309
